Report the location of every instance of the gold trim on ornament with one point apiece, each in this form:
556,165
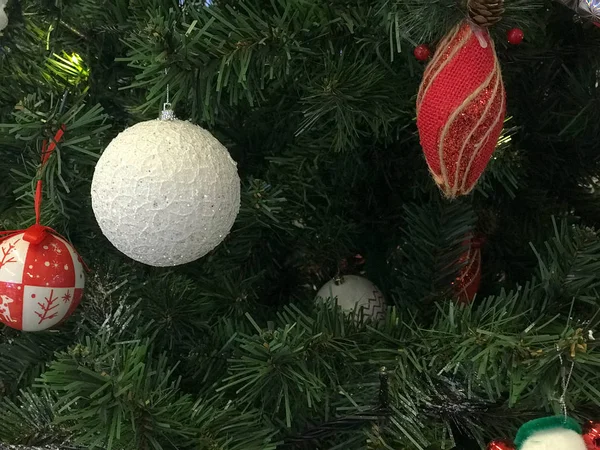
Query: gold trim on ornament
499,118
477,146
439,55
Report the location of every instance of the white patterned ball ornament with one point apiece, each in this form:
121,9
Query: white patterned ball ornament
352,293
3,16
40,284
165,192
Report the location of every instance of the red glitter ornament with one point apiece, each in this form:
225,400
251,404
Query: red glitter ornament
591,435
422,52
515,36
468,281
500,445
460,109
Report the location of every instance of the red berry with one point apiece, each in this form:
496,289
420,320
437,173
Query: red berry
422,52
515,36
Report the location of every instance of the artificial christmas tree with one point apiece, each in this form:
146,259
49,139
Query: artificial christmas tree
315,102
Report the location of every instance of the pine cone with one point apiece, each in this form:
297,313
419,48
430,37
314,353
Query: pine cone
485,12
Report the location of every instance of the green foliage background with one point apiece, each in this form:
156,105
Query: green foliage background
315,101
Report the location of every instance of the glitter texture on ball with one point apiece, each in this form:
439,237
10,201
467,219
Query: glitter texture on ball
461,107
165,192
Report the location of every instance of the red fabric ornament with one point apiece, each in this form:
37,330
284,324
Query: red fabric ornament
591,435
460,109
422,52
500,445
41,274
515,36
468,281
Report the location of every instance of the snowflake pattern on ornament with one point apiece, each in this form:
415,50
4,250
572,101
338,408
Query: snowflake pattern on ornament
67,297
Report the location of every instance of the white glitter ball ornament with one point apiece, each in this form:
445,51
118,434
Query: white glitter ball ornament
3,16
353,292
165,192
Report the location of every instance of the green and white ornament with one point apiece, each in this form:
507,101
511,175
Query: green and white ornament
550,433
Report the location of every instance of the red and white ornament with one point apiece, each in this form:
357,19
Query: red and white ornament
41,284
460,109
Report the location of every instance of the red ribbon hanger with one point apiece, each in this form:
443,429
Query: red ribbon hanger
36,233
